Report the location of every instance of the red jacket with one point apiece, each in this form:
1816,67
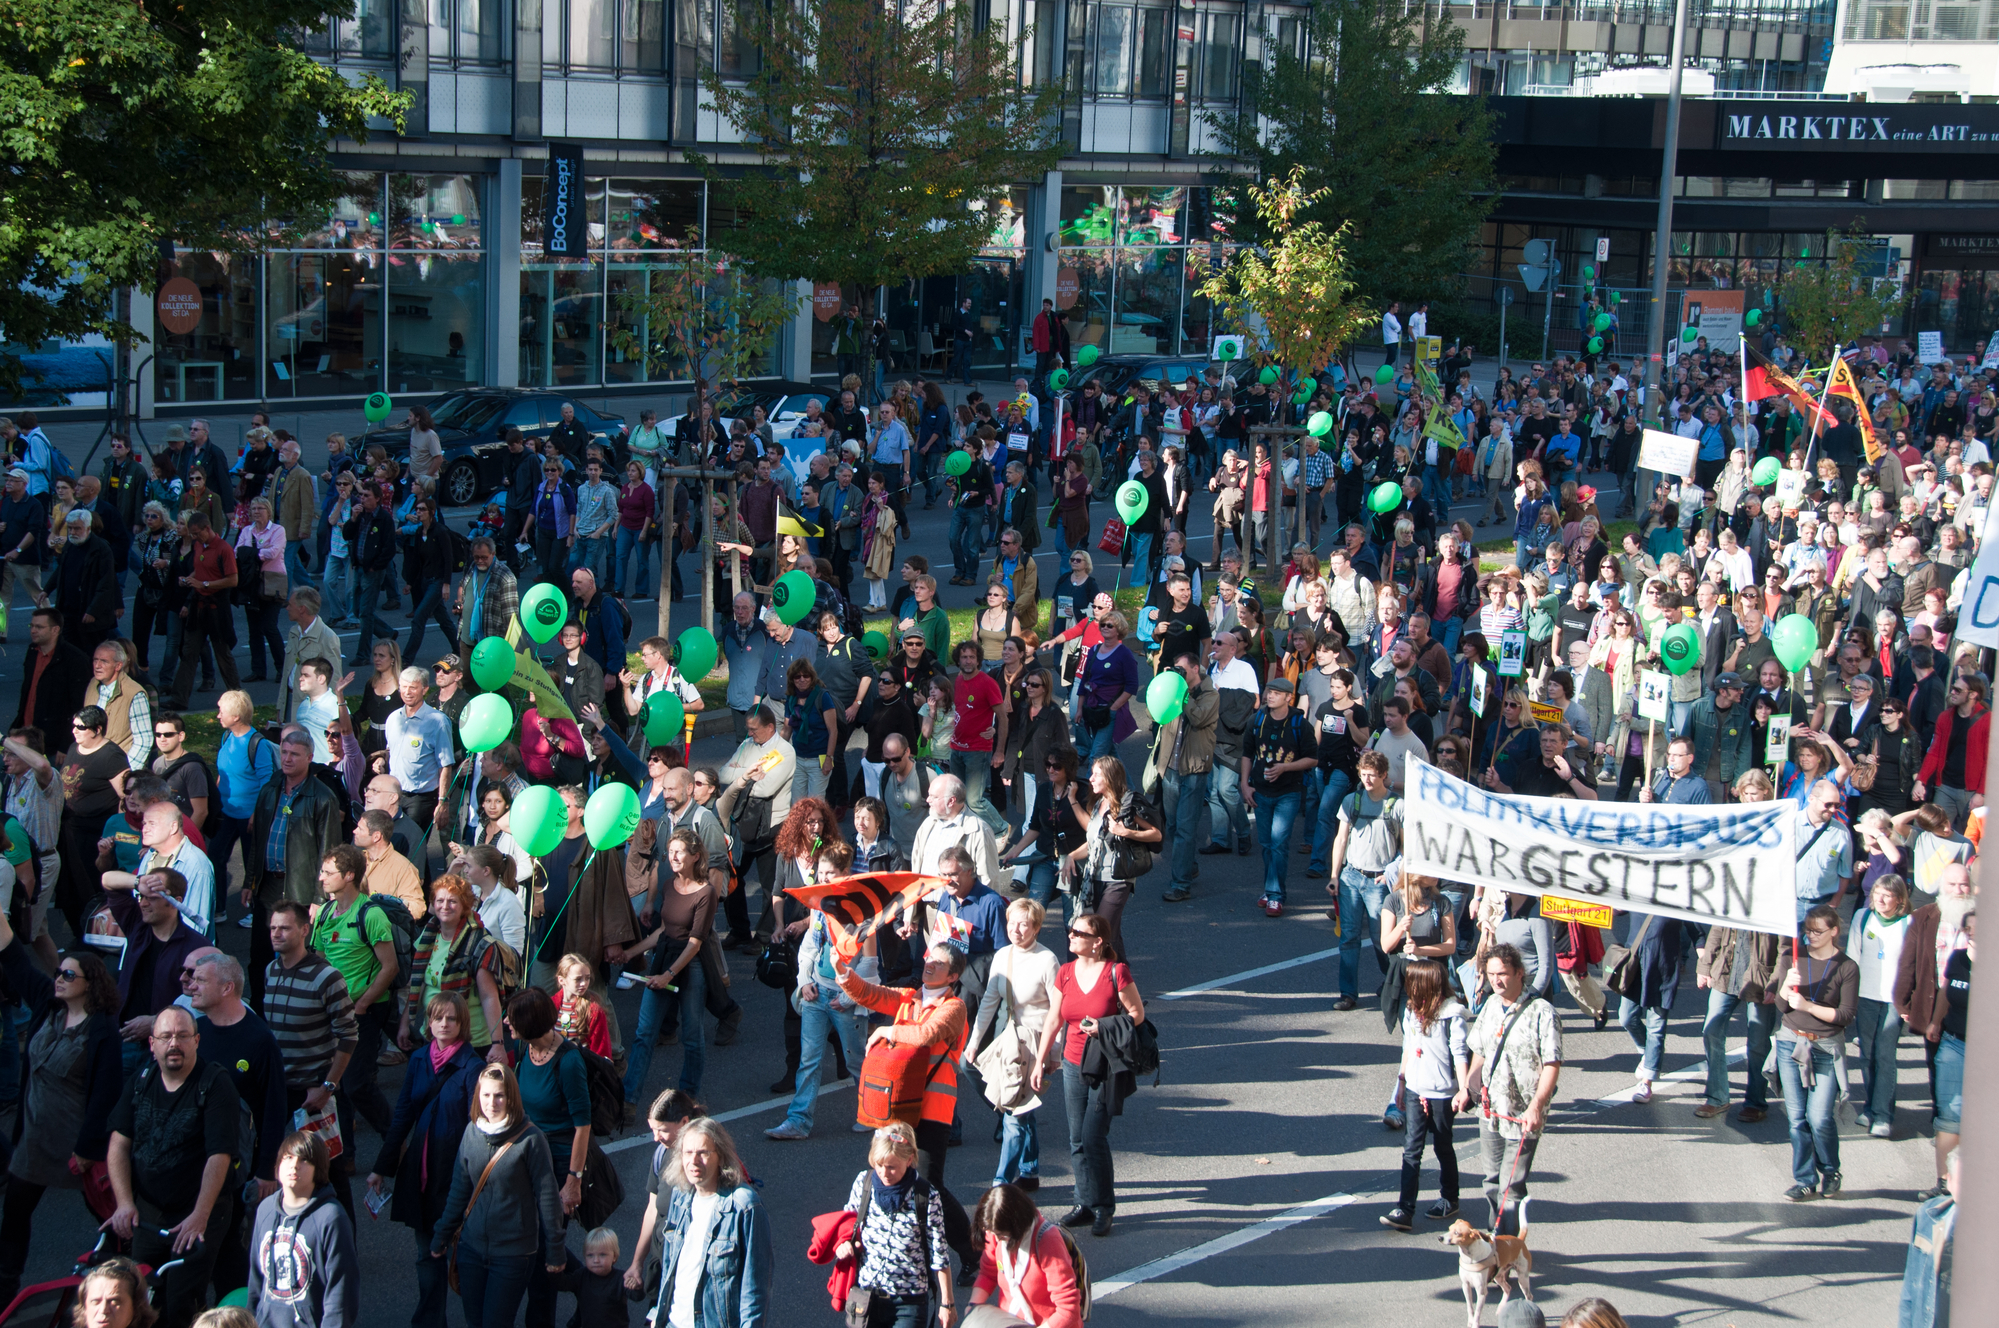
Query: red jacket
828,1230
1047,1294
1974,751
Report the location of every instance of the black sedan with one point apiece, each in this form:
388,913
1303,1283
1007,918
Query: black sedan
472,426
1117,374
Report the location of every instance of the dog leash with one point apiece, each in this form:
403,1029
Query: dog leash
1499,1217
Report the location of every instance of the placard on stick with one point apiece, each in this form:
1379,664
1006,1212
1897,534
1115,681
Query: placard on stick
1655,695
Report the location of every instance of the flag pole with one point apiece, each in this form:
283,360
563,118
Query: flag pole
1818,417
1742,383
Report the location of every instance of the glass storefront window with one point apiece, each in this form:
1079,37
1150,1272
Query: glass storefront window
466,31
218,360
1147,303
653,214
1083,294
371,33
562,324
1089,214
433,212
354,221
595,188
1155,52
437,321
1111,68
1153,216
634,275
1223,57
323,324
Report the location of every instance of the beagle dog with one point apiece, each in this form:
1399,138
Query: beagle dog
1485,1259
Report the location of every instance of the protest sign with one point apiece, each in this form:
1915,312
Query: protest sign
1512,654
1655,692
1557,909
1929,347
1733,865
1978,621
1478,693
1667,453
1777,744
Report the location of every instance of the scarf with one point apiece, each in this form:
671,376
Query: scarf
891,1198
441,1054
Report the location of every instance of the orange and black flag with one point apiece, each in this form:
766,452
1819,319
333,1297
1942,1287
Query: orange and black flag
1840,383
856,905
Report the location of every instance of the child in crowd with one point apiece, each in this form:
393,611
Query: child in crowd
598,1285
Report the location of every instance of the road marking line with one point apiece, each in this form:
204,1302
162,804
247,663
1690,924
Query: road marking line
755,1108
1194,1254
1197,989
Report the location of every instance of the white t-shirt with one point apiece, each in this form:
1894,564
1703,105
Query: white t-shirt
693,1258
501,914
317,713
1877,947
1238,673
1419,324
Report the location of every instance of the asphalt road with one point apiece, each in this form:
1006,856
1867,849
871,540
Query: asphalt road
1251,1178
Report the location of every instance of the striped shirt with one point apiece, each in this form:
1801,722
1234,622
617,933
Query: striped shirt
312,1016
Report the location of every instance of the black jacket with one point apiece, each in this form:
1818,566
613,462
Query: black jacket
428,558
85,583
372,540
60,694
26,983
1113,1056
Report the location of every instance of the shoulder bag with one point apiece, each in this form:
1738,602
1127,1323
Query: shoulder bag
1622,973
470,1204
860,1300
1866,768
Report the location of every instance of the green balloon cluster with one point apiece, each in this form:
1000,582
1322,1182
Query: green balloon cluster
665,716
1087,356
611,815
492,664
543,611
1385,498
694,653
1766,471
1131,501
1680,648
485,722
539,818
377,407
960,462
1794,640
793,597
1320,424
1164,697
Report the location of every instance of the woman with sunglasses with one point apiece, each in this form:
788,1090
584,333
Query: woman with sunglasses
1090,990
70,1081
894,715
810,718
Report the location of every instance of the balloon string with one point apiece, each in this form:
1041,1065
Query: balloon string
549,926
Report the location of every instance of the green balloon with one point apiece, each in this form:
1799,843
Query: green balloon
1307,383
1164,696
1589,272
1794,640
1087,356
485,722
543,611
1320,424
492,664
1301,396
1059,379
611,815
1766,471
1615,297
1132,500
1680,648
538,820
960,462
1603,322
1385,374
1690,336
377,407
793,596
239,1299
1753,317
1228,349
1385,498
664,718
694,653
1268,376
1595,344
878,645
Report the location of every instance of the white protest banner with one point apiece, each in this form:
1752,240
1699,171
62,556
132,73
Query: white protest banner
1991,360
1731,864
1667,453
1929,347
1655,695
1512,654
1978,621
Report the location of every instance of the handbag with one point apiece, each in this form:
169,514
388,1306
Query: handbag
603,1190
777,964
1112,540
1866,768
275,586
1622,973
451,1260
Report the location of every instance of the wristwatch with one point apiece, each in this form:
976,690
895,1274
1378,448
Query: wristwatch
576,1175
329,1085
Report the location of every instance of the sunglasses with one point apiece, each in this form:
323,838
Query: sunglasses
1077,931
69,975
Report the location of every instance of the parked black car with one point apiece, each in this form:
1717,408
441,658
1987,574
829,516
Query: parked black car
471,426
1120,373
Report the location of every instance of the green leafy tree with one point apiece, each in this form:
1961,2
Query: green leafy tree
1838,301
891,131
705,315
1383,150
128,123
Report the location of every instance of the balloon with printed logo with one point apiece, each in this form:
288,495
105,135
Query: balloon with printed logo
878,645
1228,348
1268,375
1595,344
1059,379
793,596
1086,356
611,815
1766,471
664,716
1132,500
377,407
957,463
538,819
543,611
694,653
492,664
485,722
1301,397
1385,498
1680,648
1794,640
1164,696
1320,424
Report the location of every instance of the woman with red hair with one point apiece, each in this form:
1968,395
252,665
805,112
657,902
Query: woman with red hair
806,831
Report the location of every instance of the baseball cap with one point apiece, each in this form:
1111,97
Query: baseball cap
17,473
1728,680
1280,683
451,662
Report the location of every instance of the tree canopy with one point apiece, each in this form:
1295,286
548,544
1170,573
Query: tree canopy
1838,301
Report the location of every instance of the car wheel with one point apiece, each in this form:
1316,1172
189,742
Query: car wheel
461,483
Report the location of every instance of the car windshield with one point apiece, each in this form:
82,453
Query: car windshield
465,410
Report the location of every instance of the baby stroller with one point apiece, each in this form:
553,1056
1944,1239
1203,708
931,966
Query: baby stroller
52,1304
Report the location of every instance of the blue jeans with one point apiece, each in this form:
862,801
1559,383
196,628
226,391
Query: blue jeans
1360,915
432,1288
295,566
1814,1132
367,598
1525,554
1274,814
1225,801
628,544
967,540
1437,489
1651,1041
431,607
976,769
1020,1146
1141,560
1448,632
1186,805
1089,1139
337,607
1092,743
653,1005
1950,1084
1326,816
1678,716
491,1290
1714,1034
818,1017
591,551
1879,1029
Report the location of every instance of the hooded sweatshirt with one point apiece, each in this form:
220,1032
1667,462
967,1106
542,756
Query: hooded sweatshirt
1430,1060
303,1269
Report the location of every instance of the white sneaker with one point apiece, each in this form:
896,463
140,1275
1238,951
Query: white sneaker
787,1131
244,922
1644,1093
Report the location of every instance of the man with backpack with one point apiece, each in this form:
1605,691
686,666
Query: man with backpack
241,1042
605,623
295,823
174,1139
189,779
358,934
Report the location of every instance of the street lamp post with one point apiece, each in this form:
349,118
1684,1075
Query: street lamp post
1662,240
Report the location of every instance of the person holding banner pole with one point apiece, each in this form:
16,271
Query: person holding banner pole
1825,850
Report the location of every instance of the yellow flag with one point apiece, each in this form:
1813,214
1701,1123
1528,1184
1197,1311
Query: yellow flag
532,678
1840,383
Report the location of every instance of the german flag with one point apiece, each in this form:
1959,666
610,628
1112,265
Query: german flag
856,905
